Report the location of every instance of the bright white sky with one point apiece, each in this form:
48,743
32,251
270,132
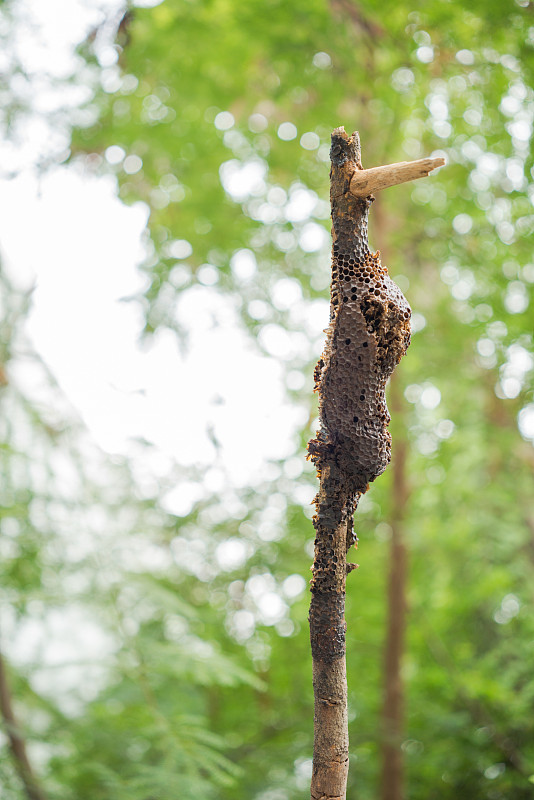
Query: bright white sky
69,236
82,255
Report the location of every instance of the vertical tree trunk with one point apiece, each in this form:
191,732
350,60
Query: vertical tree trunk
393,708
327,633
368,334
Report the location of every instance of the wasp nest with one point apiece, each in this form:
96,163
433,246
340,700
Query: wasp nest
369,332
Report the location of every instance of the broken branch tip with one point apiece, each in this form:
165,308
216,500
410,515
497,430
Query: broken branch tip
365,182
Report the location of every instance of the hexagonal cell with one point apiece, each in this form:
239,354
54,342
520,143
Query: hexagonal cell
368,335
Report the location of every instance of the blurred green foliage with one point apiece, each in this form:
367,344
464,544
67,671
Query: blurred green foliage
202,698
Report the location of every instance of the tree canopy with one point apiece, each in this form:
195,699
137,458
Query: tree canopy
217,115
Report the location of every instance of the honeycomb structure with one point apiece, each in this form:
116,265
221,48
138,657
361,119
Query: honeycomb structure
369,332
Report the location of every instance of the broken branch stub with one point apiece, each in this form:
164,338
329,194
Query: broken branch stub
366,181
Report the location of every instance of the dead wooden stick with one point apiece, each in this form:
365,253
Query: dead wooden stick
369,332
366,181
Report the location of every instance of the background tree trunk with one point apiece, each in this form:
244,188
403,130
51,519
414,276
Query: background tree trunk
393,707
16,740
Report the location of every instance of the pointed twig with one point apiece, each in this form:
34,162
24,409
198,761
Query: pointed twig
366,181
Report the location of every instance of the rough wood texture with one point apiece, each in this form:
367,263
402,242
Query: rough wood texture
366,181
368,334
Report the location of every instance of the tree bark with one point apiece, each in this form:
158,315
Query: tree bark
368,334
393,708
16,740
327,633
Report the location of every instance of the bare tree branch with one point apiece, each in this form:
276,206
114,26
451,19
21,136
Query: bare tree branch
366,181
